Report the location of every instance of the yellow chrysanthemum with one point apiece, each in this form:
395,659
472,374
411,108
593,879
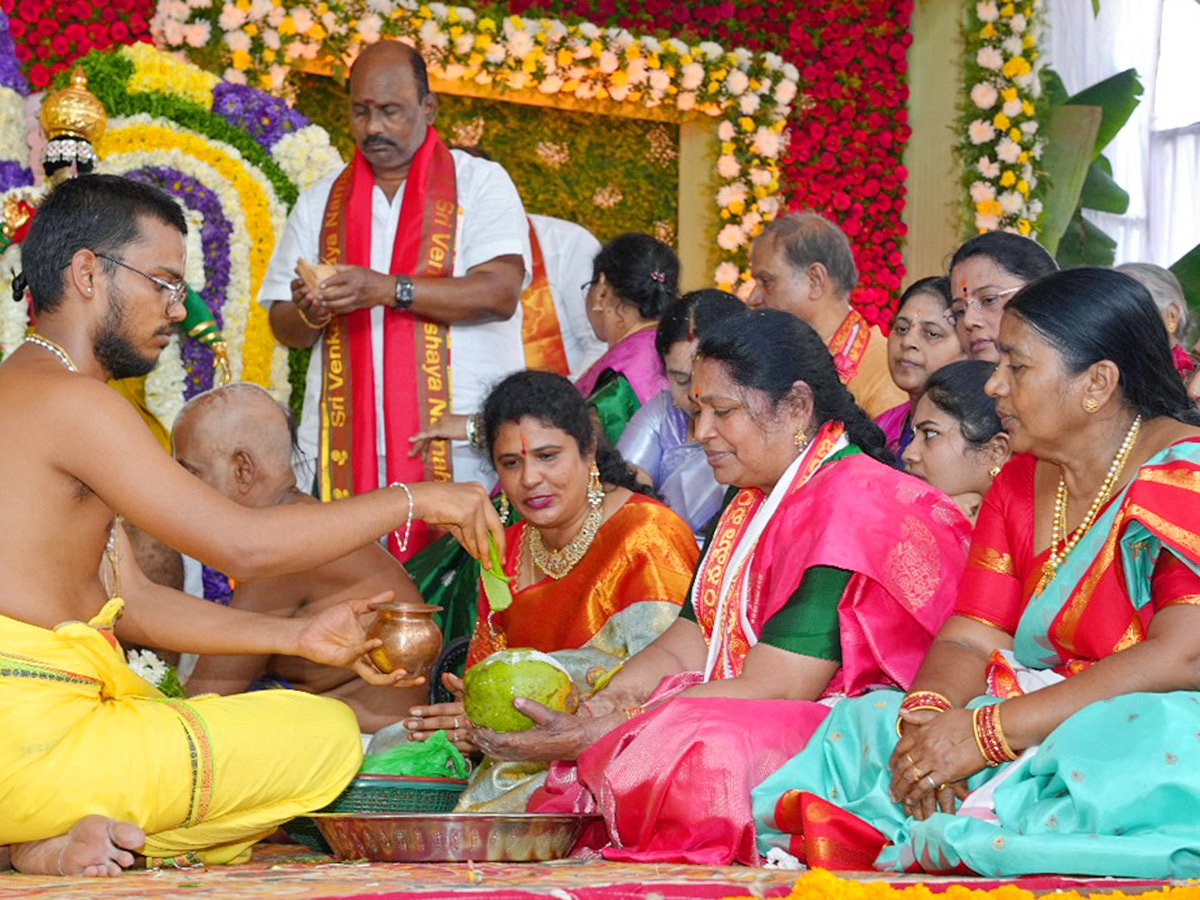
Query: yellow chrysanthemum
1008,178
1001,121
1023,188
1024,226
1016,65
987,31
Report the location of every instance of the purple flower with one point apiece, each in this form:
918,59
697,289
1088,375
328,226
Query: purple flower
263,117
10,69
216,586
12,173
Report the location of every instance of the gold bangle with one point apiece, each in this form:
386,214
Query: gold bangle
310,323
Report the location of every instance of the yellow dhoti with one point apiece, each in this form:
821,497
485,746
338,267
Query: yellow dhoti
204,778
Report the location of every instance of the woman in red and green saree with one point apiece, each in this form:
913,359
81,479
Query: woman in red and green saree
828,573
1053,725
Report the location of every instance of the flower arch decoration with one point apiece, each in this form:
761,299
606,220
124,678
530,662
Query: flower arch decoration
748,95
235,158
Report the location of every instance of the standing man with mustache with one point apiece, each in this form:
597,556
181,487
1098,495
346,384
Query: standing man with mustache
421,314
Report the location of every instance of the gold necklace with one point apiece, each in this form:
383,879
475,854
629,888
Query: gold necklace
46,344
1058,526
558,563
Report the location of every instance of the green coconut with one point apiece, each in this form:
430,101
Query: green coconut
492,684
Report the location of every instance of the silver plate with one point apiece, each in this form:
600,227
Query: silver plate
452,837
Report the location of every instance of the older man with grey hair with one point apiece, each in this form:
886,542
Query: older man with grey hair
802,264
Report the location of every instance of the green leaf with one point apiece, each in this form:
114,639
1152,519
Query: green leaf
1053,88
495,582
1101,192
1070,137
1083,244
1095,8
1118,97
1187,270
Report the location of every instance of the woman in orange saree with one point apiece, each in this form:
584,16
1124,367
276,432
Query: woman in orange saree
1053,726
828,573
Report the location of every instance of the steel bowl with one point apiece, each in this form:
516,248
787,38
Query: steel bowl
452,837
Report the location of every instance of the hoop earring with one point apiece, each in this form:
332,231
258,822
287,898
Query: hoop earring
505,510
595,490
1091,404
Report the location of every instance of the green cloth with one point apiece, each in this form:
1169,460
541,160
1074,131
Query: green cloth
615,403
434,757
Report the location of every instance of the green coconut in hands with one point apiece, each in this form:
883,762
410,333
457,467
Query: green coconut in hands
492,684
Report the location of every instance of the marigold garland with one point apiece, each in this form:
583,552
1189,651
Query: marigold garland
819,884
1002,111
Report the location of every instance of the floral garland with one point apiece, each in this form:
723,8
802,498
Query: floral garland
14,151
819,884
999,144
51,34
259,40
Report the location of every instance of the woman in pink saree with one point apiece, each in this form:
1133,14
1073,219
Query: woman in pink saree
827,574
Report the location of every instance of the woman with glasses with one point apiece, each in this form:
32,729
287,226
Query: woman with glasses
984,273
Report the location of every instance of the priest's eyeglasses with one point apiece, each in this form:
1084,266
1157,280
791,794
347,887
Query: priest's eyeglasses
176,291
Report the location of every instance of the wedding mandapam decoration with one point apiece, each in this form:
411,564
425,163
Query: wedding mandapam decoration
235,158
1000,142
260,41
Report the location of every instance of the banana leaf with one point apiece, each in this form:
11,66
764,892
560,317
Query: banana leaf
1070,136
1187,270
1100,191
1083,244
1118,97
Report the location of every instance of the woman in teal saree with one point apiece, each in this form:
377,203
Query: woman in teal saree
1055,723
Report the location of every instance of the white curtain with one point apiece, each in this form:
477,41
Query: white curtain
1156,157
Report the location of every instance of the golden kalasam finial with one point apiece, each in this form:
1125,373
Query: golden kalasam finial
74,112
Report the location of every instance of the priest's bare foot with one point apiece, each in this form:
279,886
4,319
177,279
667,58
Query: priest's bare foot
94,847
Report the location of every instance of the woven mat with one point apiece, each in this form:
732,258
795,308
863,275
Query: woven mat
292,873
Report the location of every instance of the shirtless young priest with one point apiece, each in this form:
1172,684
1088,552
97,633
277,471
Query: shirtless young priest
96,765
238,440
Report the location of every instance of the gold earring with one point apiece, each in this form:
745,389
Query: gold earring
505,509
993,471
800,439
1091,404
1172,328
595,490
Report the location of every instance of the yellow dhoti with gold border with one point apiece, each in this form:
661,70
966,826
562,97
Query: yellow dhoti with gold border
205,778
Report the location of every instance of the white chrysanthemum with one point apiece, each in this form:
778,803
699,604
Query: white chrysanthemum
981,131
984,96
619,93
234,76
987,168
726,130
1017,23
711,51
1011,202
691,76
751,221
990,58
465,14
439,10
981,190
520,44
728,167
146,665
1011,108
785,92
1035,208
651,45
742,56
767,143
749,104
237,40
589,31
271,39
675,45
1025,82
760,177
231,19
987,11
302,19
769,206
608,62
659,80
987,222
197,34
1007,150
556,31
727,273
685,100
736,82
637,71
790,72
731,237
1012,45
1029,127
496,53
464,44
732,193
551,85
432,35
772,61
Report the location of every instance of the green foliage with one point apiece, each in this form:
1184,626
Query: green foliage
1079,129
297,375
1187,270
608,174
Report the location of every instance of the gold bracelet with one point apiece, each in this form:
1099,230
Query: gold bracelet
310,323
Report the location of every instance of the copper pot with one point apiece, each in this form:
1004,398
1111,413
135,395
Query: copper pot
411,639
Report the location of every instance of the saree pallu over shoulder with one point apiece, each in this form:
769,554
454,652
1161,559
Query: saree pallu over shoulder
1114,789
634,357
204,778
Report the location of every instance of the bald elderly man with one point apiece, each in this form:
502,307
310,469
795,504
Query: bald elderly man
238,440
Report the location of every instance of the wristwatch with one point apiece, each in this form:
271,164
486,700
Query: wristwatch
404,292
